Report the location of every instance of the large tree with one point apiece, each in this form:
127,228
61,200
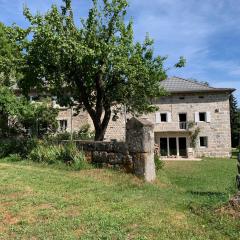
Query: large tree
97,63
235,121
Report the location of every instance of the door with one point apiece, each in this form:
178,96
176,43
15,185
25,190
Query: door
163,147
173,146
182,143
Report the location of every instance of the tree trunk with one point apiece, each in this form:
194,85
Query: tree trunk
101,127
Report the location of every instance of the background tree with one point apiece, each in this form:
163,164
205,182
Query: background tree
19,117
11,57
235,121
98,64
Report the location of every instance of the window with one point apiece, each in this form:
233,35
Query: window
163,117
201,97
203,142
181,98
63,125
182,117
182,120
202,117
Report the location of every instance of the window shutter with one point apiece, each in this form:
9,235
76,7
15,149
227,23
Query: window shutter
196,116
157,117
208,117
169,117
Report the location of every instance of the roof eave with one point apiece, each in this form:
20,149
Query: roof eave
223,90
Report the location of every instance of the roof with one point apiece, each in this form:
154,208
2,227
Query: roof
181,85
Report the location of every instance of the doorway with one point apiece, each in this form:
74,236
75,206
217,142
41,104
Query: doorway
182,143
173,146
163,146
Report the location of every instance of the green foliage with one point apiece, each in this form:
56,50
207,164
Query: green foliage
13,158
194,133
19,117
159,164
235,121
21,146
84,133
45,154
98,63
52,154
11,57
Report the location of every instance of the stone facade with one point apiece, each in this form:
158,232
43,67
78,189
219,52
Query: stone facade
73,123
216,129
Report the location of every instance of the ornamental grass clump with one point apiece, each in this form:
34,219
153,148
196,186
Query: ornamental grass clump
68,154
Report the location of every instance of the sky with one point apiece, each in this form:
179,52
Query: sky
206,33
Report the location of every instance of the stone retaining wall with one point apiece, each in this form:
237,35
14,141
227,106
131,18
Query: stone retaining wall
136,155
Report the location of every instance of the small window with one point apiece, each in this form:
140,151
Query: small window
182,117
201,97
181,98
202,117
63,125
163,117
203,142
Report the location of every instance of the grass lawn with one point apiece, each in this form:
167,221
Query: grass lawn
40,202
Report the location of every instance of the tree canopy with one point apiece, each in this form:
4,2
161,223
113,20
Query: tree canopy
97,64
11,57
20,117
235,121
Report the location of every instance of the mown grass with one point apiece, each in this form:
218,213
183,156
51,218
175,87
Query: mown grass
38,202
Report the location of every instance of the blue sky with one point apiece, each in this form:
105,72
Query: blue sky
206,33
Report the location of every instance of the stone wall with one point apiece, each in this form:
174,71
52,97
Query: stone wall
136,155
107,154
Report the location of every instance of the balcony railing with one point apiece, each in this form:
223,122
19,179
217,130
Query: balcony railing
171,126
183,125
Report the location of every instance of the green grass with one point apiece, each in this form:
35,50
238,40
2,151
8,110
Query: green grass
39,202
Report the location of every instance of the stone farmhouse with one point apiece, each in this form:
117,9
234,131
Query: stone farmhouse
189,106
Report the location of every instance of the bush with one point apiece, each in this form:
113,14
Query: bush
159,164
68,154
13,158
83,134
46,154
21,146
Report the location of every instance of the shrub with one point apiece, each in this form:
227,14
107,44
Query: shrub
21,146
79,162
83,134
13,158
68,154
159,164
42,153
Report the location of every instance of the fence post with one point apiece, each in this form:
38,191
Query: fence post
140,142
